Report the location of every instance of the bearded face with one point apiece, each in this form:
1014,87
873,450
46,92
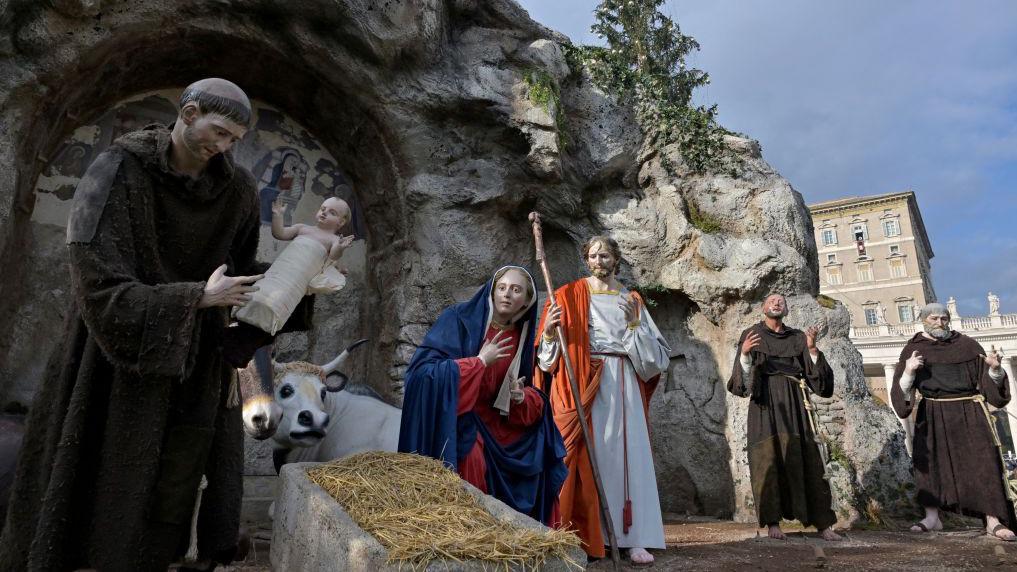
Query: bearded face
206,135
937,325
601,262
775,306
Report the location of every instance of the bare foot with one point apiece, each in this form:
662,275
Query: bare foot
931,523
640,556
828,534
774,531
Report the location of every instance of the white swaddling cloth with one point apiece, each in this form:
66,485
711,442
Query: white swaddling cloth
301,268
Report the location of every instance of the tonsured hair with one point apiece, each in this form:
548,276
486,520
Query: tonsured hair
209,103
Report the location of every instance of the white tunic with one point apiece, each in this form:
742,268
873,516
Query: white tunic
647,355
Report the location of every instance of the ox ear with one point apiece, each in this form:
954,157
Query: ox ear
336,382
277,370
338,362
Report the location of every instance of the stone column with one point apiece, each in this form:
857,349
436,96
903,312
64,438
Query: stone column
1011,408
909,423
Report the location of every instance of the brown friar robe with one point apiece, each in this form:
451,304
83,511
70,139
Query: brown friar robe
133,411
956,462
784,460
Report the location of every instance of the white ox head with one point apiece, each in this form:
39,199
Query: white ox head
301,390
290,406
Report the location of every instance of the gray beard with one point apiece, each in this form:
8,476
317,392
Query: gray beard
938,333
772,314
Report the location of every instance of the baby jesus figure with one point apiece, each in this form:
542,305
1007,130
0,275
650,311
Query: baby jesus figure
306,265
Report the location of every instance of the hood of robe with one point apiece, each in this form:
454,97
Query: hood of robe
152,146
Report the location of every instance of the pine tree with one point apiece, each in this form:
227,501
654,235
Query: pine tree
643,62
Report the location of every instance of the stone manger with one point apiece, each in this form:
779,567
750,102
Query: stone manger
420,516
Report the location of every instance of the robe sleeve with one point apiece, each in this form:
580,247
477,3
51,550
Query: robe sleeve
150,329
818,374
901,401
529,411
740,383
547,354
471,370
646,348
996,392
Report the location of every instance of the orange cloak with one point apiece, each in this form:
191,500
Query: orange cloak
578,501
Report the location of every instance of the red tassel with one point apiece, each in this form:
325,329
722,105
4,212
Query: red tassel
627,516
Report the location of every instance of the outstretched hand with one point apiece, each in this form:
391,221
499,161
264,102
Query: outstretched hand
914,363
751,342
516,391
339,245
500,346
992,360
630,306
811,334
222,290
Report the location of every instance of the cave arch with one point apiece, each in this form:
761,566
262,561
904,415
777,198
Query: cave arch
149,56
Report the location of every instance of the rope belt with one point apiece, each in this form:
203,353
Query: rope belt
810,414
1008,486
627,504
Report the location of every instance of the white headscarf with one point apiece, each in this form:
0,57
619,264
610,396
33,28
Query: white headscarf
504,400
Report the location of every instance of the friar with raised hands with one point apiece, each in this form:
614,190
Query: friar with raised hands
618,354
956,451
778,367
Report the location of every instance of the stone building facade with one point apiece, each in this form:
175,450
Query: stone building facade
874,256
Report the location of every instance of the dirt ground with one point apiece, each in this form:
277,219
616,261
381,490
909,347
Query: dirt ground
700,544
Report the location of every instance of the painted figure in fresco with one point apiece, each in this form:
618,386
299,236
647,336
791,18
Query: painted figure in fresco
956,454
313,253
618,354
777,367
133,457
467,402
285,186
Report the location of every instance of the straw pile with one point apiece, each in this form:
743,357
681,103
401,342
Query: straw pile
419,511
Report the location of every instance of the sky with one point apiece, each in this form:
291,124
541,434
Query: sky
865,97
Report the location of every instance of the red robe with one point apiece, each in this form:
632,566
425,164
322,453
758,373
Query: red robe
478,388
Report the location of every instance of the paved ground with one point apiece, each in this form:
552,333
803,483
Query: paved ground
700,544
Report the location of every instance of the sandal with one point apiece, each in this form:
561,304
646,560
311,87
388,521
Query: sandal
920,525
996,529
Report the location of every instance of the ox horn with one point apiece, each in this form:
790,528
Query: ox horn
334,365
332,369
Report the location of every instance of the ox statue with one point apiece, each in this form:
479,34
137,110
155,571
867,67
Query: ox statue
314,413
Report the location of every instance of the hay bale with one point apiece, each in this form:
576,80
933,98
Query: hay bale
400,511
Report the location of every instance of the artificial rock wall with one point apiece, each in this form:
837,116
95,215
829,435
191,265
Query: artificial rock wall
425,109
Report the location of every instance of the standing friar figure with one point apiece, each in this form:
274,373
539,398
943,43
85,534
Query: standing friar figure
618,354
777,367
956,454
136,412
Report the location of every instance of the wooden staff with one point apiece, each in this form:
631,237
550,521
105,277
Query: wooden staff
538,239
